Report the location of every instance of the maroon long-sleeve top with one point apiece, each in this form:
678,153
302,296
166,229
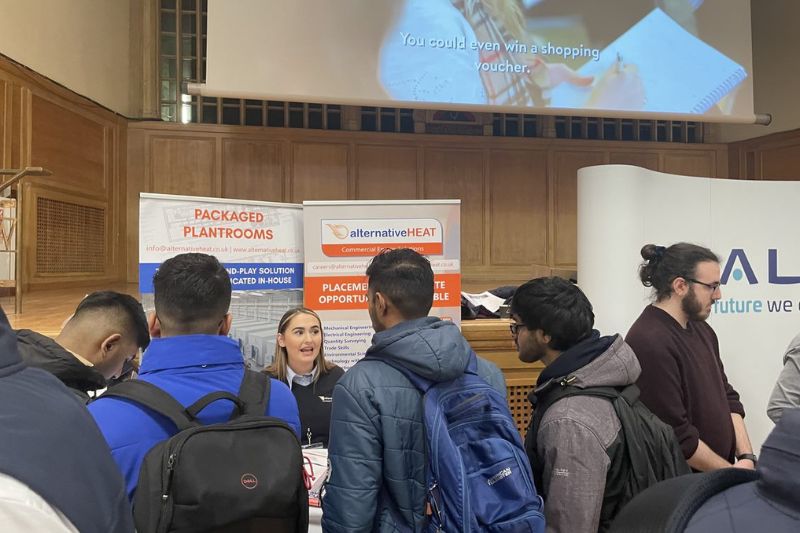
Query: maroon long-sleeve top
683,381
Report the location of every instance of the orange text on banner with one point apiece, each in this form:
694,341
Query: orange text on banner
328,293
369,250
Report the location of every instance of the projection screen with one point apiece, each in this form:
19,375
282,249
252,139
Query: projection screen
627,58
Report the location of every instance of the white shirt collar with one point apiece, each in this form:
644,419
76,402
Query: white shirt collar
301,379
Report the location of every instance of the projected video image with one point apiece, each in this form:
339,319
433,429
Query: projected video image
663,56
598,57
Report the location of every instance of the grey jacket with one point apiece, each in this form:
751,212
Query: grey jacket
376,448
572,440
786,393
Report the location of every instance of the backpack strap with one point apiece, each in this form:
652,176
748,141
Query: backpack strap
194,409
154,398
253,397
542,403
669,506
254,392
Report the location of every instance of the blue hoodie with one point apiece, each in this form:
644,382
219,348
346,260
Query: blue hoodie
376,439
49,442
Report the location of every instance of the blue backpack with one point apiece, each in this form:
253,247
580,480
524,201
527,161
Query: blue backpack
478,474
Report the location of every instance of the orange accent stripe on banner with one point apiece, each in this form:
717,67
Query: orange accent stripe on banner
331,293
369,250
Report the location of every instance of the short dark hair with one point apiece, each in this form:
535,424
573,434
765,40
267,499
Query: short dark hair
406,278
557,307
126,308
662,265
192,293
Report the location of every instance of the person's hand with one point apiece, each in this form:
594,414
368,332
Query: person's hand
745,464
619,88
549,75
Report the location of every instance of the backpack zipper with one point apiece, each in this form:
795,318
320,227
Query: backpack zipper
165,493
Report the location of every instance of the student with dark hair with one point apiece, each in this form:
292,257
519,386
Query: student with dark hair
190,356
683,380
377,449
106,332
300,363
577,443
56,474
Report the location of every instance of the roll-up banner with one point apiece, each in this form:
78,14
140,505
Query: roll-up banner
259,243
340,240
750,225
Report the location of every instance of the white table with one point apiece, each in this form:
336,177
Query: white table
315,520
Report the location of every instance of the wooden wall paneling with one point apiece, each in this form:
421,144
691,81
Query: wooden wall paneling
774,156
252,170
780,162
182,165
640,159
5,123
120,210
686,163
459,174
65,238
319,171
565,203
518,207
135,184
386,172
72,146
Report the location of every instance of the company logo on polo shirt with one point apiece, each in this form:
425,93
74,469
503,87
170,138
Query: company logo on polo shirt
367,237
249,481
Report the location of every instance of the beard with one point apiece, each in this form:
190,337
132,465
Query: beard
692,308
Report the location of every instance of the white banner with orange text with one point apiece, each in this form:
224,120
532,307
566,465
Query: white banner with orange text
259,243
750,225
340,240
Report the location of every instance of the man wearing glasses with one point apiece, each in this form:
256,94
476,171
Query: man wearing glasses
683,380
576,441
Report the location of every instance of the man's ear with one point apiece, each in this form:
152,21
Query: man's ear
542,337
109,344
225,325
154,325
381,304
680,286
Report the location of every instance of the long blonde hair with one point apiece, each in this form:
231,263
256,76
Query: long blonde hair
281,361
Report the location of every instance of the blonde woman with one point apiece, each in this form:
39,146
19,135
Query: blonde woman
300,363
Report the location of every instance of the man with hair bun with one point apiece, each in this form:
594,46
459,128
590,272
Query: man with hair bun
683,380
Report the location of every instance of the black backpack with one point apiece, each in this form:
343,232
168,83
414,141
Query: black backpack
646,452
242,475
669,506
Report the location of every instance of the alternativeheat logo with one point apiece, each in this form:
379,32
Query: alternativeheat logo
367,237
339,230
249,481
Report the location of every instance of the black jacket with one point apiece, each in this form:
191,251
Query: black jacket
49,442
43,352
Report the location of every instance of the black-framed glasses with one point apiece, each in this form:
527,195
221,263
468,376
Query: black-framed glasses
712,286
514,328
